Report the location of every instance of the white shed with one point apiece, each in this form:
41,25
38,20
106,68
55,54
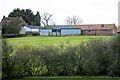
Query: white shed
35,30
45,32
30,29
25,29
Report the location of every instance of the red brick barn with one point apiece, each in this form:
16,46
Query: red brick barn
98,29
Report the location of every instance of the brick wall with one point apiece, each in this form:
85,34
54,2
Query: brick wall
98,32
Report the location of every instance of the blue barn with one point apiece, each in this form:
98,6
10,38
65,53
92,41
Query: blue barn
63,30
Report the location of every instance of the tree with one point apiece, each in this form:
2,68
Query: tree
27,15
47,19
38,19
74,20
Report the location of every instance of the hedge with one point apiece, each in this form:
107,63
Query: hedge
13,35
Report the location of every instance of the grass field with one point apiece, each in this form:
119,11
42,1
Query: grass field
41,41
72,78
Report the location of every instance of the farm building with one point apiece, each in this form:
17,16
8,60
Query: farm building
63,30
7,20
45,32
30,29
98,29
58,30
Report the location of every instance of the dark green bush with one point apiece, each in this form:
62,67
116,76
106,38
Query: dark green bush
30,62
7,60
115,67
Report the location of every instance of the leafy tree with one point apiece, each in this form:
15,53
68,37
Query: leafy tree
27,15
38,19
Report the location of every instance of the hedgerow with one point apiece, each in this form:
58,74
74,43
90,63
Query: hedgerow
95,57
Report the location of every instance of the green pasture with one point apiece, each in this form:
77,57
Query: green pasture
42,41
71,78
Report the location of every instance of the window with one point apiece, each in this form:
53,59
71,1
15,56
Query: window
55,30
102,25
89,30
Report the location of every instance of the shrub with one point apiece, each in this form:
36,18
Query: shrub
7,60
115,68
29,62
50,56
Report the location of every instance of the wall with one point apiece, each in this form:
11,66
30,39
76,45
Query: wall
45,32
35,30
70,31
22,31
98,32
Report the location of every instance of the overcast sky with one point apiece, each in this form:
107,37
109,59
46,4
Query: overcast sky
90,11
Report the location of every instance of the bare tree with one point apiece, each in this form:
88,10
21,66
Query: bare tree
74,20
68,20
46,19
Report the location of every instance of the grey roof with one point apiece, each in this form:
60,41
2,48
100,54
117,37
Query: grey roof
34,27
63,26
52,27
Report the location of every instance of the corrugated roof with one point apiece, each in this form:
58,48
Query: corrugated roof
64,26
96,26
34,27
83,27
7,20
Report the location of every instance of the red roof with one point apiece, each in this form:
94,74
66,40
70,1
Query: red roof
97,26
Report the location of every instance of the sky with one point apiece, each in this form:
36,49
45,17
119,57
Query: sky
90,11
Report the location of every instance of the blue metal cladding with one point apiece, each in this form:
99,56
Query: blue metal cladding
71,31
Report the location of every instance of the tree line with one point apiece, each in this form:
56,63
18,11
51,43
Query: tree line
96,57
45,19
27,15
